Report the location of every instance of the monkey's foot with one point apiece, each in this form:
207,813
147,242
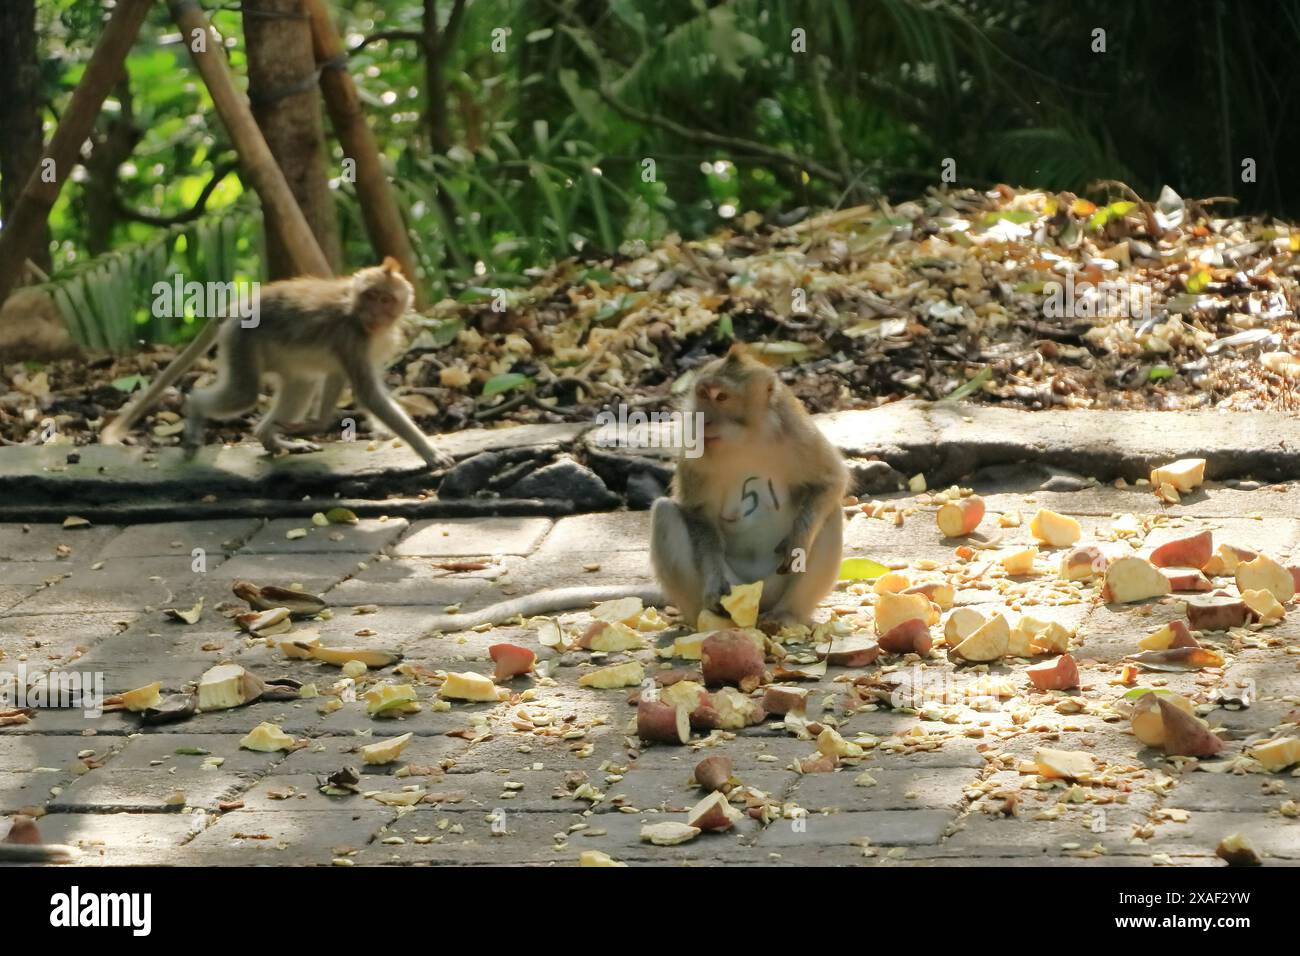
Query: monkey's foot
292,446
772,622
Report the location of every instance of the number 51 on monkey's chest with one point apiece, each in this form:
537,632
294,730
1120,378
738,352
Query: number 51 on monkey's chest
754,517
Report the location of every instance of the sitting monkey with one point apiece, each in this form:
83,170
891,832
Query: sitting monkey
762,503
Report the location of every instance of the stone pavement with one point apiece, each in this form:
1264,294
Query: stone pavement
504,782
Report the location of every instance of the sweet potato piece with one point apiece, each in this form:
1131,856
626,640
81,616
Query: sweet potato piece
1225,559
732,710
1187,579
961,624
1264,606
817,763
1217,613
1020,563
1185,475
1265,574
1055,530
893,609
731,657
660,723
939,592
695,699
511,660
1147,720
959,518
782,699
1189,552
1060,673
1185,735
852,651
989,643
1235,850
1277,754
1133,579
1173,634
1083,564
910,637
714,773
714,814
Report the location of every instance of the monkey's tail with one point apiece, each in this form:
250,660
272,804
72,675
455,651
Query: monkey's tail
545,602
37,853
115,431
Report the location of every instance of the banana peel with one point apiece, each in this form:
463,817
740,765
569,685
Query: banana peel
270,596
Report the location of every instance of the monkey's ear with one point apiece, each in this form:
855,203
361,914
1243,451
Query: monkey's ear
390,264
738,352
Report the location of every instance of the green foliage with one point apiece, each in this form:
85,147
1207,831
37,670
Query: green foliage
553,135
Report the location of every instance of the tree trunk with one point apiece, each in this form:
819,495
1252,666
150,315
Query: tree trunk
286,103
32,210
20,113
379,209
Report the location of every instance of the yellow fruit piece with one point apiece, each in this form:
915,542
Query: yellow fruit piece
1055,530
385,751
1184,475
891,583
1063,764
597,858
1158,640
370,656
1265,574
620,611
742,603
266,738
688,646
962,623
391,699
616,636
143,698
709,621
831,743
1133,579
1264,604
468,686
893,609
1020,562
300,648
226,686
1277,754
628,674
988,643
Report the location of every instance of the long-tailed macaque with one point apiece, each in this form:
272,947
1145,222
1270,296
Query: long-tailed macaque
761,503
312,336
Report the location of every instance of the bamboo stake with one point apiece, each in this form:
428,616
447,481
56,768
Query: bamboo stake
379,209
254,155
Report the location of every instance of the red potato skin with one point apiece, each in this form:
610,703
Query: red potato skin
1192,551
860,657
822,763
1060,673
910,637
511,660
784,700
712,773
1089,555
1185,736
657,722
729,657
1295,577
1218,615
965,516
1182,636
710,814
1188,580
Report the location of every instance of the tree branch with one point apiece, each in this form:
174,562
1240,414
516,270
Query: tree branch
414,35
785,157
219,172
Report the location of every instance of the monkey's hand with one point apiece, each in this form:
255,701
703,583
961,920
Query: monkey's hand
788,550
718,584
439,459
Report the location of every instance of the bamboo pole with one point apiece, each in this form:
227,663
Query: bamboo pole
64,149
255,156
379,209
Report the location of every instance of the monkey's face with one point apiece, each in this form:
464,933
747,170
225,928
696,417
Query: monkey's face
382,297
727,403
